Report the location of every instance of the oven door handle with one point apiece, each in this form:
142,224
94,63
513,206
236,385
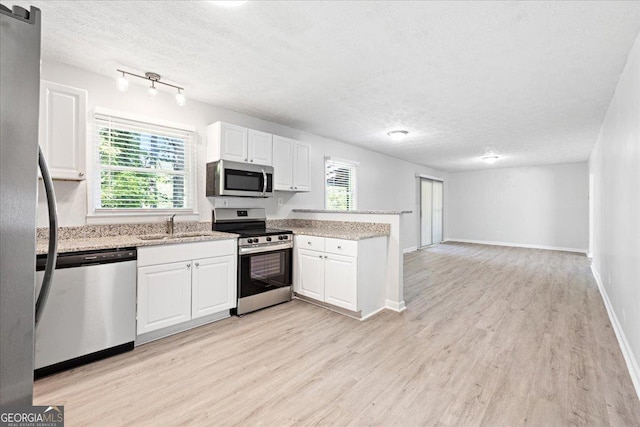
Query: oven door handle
259,249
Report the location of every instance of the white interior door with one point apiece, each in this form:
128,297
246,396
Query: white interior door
426,201
431,211
436,215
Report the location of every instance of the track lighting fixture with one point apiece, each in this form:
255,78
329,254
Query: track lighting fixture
123,85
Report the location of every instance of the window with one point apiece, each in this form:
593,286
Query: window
142,167
340,184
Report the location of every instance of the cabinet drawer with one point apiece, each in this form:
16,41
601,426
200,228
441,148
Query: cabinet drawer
341,247
162,254
312,243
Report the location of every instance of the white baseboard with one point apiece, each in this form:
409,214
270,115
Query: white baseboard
171,330
410,249
629,358
518,245
398,307
373,313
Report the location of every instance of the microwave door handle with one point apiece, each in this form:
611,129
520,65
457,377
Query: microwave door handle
264,183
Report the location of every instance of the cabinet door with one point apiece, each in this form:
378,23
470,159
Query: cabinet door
301,175
310,274
213,285
260,147
282,163
233,143
341,281
164,295
63,118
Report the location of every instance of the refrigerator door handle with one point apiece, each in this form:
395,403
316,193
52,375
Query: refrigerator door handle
52,254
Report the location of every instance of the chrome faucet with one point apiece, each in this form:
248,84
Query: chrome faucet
170,224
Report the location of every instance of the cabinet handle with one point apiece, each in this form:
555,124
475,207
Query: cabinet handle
189,265
339,247
308,243
246,160
80,174
251,160
325,257
291,188
197,264
296,188
319,256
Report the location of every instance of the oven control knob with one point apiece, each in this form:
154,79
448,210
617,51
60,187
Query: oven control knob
249,240
268,239
285,237
280,237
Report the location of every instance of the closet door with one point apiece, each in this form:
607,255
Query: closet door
431,211
426,212
436,214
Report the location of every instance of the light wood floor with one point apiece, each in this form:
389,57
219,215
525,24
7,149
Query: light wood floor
491,336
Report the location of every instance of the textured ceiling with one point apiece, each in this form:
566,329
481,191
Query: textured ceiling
530,81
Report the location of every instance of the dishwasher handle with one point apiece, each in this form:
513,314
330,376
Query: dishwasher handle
86,258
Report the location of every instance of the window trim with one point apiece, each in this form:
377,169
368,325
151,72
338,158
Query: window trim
352,163
107,216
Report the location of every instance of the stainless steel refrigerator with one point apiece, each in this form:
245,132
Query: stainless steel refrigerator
19,160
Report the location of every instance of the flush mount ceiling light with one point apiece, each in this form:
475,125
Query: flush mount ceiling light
229,3
123,85
490,158
397,135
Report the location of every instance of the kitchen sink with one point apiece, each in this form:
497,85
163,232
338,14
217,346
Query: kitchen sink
173,236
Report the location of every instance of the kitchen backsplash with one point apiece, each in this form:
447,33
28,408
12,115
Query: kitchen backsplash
109,230
333,225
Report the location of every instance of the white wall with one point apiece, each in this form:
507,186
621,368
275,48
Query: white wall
615,166
384,183
530,206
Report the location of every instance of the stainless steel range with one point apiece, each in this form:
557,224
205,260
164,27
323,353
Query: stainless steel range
264,258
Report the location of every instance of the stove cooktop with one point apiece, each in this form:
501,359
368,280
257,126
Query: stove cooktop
259,232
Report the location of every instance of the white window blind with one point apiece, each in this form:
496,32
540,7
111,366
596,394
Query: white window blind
340,184
142,166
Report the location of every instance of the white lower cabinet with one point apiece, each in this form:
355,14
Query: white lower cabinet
213,285
201,282
311,283
347,274
341,281
164,296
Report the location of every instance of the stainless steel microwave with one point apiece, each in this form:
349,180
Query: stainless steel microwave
226,178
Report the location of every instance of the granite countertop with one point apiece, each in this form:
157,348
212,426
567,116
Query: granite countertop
352,212
338,234
126,241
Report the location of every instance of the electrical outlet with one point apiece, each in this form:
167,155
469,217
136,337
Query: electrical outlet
280,201
221,203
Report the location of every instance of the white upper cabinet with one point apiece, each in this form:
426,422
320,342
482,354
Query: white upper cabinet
239,144
301,173
291,165
282,163
259,146
229,142
63,131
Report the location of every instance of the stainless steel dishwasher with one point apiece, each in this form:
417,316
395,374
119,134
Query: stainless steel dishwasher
91,310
